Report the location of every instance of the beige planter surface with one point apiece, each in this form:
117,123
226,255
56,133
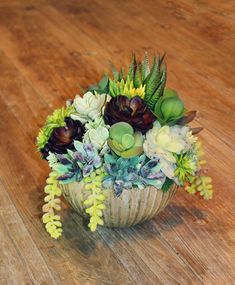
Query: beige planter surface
132,207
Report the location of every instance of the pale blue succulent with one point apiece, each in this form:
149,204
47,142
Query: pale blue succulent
77,164
138,171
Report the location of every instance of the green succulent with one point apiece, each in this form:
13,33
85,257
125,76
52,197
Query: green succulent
186,166
145,80
126,87
55,120
169,108
102,87
124,141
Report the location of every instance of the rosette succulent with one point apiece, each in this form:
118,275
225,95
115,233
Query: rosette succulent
164,142
124,141
77,164
137,171
62,138
169,108
88,107
97,137
133,111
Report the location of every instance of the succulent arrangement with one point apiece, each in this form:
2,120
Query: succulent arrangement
128,131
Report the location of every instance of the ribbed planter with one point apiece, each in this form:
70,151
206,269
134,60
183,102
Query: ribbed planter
132,207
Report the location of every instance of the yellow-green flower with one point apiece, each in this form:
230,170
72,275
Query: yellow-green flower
126,88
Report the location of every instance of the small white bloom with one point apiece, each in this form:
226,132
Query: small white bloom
98,122
88,107
97,137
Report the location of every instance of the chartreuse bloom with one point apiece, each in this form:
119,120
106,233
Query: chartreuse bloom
124,141
169,108
52,221
95,200
53,121
126,88
186,166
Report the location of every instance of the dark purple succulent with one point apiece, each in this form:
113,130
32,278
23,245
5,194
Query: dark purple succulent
62,138
133,111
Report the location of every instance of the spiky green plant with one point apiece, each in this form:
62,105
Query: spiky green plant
142,75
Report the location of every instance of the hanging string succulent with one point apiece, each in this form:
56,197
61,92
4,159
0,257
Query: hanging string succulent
200,184
94,201
52,221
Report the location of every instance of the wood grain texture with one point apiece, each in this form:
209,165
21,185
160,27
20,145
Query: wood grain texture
48,49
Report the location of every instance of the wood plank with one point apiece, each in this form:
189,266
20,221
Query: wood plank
194,63
48,48
75,259
21,262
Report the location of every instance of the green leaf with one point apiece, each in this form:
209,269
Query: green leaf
132,67
153,79
145,67
103,82
137,77
167,184
116,74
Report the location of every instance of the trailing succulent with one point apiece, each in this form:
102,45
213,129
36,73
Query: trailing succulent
137,171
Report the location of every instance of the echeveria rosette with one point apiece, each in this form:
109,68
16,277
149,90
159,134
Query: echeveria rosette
124,141
133,111
89,107
169,108
77,164
122,173
97,134
165,142
62,138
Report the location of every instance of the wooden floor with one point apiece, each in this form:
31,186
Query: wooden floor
48,48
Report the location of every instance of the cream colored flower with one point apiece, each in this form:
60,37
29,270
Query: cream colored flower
164,142
97,137
88,107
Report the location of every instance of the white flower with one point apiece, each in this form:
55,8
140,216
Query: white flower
97,137
88,107
98,122
164,142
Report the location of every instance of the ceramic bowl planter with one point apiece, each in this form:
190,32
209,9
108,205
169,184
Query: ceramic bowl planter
132,207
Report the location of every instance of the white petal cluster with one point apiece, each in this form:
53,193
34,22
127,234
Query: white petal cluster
97,137
89,107
164,142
